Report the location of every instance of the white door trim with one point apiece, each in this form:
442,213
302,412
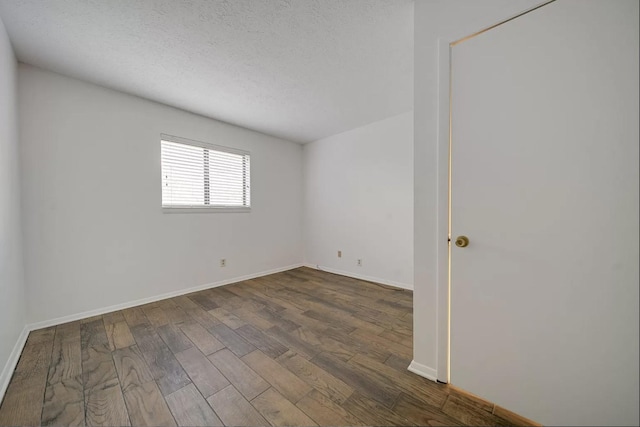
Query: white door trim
443,155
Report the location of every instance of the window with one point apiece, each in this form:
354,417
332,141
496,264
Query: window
197,175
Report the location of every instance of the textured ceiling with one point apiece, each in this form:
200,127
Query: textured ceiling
297,69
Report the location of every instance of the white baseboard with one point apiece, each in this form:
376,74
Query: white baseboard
12,362
109,309
423,371
361,277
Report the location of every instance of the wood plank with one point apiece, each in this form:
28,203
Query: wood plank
163,365
174,338
261,297
237,288
339,317
272,281
359,288
68,331
241,290
326,308
113,317
348,289
222,296
340,350
228,318
36,356
190,409
397,306
404,339
198,335
66,355
119,335
176,314
388,323
185,303
269,297
309,335
167,371
156,315
201,316
249,316
382,392
104,403
292,342
325,383
297,316
268,345
41,336
64,394
93,334
204,375
324,293
135,317
241,376
283,380
203,301
91,319
368,309
398,363
279,411
347,309
466,412
234,410
249,304
277,319
22,404
147,407
511,418
17,408
361,346
421,413
428,391
98,370
372,412
325,411
234,342
381,343
106,407
131,368
63,404
470,399
365,317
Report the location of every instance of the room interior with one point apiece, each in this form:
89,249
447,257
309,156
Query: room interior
339,265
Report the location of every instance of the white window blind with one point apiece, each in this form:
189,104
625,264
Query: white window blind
200,175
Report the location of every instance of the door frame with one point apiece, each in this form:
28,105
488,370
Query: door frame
443,212
443,201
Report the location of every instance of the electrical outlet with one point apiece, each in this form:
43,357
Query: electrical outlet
223,262
359,262
339,254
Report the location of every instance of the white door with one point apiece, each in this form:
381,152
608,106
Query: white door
544,299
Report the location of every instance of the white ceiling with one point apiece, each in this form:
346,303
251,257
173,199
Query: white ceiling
297,69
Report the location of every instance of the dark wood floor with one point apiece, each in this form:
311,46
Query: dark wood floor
303,347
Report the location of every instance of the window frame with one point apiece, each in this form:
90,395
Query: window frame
203,208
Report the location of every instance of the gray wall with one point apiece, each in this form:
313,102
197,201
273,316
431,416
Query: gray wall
12,292
95,233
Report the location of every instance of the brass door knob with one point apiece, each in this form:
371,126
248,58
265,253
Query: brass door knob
462,241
